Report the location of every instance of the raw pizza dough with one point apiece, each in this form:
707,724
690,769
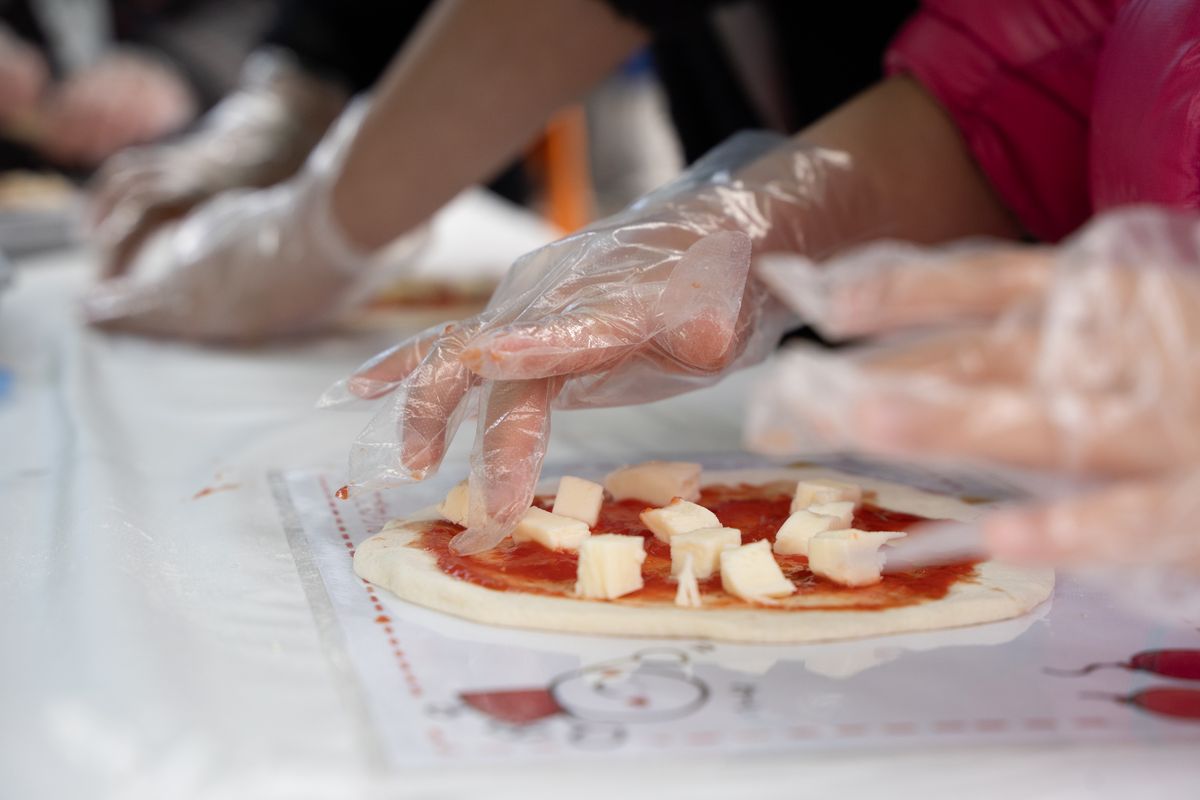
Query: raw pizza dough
997,591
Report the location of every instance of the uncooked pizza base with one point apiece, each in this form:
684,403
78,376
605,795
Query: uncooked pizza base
997,591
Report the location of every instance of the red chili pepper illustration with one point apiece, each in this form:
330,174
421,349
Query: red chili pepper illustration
514,706
1181,664
1183,704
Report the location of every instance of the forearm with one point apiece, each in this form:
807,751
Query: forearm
465,96
898,168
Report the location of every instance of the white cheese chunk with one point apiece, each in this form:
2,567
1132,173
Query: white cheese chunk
655,482
550,530
579,499
842,512
815,491
610,566
678,516
751,573
794,535
456,506
687,594
850,557
704,546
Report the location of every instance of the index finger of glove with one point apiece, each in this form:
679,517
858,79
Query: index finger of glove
383,373
1142,523
510,446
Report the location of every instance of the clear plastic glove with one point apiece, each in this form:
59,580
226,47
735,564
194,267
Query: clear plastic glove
24,75
127,98
1079,362
654,301
259,135
252,264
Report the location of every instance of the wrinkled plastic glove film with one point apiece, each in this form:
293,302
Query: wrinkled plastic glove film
1081,362
651,302
257,136
247,265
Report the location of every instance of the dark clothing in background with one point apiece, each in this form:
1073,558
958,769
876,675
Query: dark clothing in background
824,53
344,40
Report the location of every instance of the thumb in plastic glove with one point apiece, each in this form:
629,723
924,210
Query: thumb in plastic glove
248,265
1083,362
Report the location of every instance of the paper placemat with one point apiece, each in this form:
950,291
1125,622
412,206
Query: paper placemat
432,689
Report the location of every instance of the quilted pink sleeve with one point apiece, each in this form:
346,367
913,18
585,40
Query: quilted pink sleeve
1017,79
1146,114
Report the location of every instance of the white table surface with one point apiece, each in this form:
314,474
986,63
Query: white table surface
161,646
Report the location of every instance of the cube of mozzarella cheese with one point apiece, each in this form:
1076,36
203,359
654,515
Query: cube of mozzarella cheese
704,546
550,530
815,491
842,512
751,573
610,566
795,534
655,482
456,506
678,516
579,499
687,594
850,557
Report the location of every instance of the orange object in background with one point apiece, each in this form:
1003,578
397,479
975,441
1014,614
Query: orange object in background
562,155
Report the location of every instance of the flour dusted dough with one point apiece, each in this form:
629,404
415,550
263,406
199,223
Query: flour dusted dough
390,559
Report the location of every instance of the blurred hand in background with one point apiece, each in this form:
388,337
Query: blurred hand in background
257,136
1080,361
24,76
126,98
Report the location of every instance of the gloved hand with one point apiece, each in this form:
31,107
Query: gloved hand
257,136
1081,361
23,77
649,303
126,98
251,264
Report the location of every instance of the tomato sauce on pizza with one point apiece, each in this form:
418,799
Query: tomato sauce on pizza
757,511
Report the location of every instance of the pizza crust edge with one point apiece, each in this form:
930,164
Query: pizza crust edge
999,591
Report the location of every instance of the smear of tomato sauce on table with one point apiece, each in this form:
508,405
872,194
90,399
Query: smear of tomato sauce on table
757,511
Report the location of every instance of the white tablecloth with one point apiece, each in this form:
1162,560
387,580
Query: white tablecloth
159,644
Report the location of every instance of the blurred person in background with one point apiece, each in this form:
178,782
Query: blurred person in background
82,79
463,99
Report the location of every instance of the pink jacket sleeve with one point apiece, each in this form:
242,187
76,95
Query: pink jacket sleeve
1146,112
1017,78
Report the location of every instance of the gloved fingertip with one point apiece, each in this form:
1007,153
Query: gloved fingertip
704,342
363,387
419,460
885,424
1016,535
352,390
480,538
104,304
